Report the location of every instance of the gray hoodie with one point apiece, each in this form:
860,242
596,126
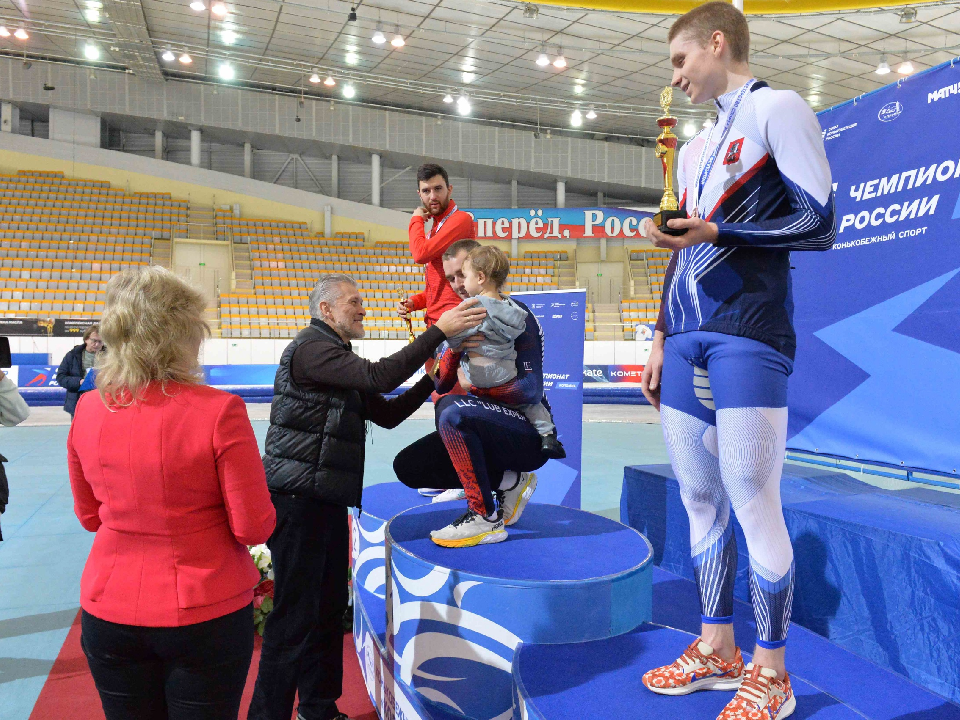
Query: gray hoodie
494,362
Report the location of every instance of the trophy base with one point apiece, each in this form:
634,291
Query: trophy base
660,220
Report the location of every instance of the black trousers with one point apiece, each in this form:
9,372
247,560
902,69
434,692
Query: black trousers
194,672
303,637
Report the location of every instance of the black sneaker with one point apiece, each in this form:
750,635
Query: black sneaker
551,447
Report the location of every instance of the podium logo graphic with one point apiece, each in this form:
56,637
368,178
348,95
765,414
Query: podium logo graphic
890,111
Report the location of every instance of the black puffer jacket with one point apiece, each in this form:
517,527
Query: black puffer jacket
315,444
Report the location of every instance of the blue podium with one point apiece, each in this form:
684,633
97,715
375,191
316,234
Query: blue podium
455,617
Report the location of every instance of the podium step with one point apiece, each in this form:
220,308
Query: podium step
455,616
602,679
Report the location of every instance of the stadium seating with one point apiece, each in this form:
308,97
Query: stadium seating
285,260
62,238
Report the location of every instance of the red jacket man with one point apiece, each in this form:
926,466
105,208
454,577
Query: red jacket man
449,225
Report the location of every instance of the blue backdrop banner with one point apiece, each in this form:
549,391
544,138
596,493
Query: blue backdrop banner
878,355
561,315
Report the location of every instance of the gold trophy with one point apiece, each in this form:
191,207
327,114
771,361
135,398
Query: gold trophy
403,298
665,151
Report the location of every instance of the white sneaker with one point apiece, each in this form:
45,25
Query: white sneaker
470,529
449,495
514,500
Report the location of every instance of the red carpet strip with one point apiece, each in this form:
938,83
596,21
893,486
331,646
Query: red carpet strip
69,691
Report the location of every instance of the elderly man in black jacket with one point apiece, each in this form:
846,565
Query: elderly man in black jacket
322,396
75,364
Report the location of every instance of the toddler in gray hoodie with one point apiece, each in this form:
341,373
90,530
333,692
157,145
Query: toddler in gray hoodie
493,363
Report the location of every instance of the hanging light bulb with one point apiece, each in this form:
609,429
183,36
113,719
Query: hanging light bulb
463,105
576,119
351,58
398,41
329,82
689,129
314,78
542,59
226,71
168,56
469,77
349,92
906,67
884,67
378,37
219,9
197,6
448,98
4,32
91,52
21,34
185,59
561,62
591,113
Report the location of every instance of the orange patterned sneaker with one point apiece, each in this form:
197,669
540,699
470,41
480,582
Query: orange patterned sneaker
697,669
761,697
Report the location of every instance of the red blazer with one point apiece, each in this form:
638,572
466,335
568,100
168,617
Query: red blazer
174,488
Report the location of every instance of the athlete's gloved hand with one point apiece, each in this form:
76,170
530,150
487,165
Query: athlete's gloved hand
650,379
698,231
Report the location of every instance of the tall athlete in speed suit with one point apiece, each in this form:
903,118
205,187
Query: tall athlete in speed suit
755,186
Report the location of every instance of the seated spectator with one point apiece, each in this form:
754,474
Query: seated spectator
167,472
76,364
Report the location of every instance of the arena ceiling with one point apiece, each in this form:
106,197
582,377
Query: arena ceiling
483,50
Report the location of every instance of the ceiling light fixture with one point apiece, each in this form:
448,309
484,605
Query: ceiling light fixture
883,67
4,32
92,14
351,58
591,113
908,15
186,59
168,56
329,82
398,41
315,78
561,62
576,119
578,89
219,9
352,16
226,71
229,37
906,67
530,11
21,34
378,37
197,6
448,98
689,129
91,52
469,77
349,91
463,105
542,59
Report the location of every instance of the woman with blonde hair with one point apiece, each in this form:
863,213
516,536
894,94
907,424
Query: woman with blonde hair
167,472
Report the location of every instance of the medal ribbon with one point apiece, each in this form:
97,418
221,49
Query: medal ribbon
704,168
438,225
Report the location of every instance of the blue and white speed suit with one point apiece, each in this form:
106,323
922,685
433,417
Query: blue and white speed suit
727,311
